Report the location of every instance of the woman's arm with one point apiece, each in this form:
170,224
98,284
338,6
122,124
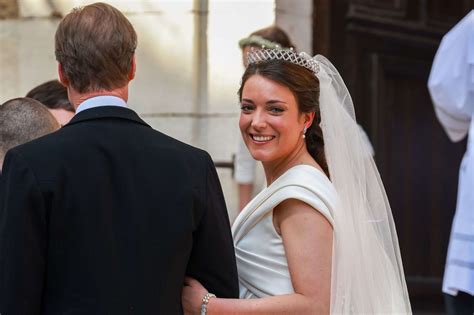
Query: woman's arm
193,293
307,238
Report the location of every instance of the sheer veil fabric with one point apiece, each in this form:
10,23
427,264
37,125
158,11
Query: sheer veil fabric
367,272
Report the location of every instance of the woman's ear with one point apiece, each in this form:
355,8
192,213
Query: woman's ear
308,119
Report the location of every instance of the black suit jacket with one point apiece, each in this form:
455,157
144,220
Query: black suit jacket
106,216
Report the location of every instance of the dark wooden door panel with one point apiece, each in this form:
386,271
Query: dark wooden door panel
447,12
418,163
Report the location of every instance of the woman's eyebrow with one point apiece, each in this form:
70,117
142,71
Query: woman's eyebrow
275,101
269,102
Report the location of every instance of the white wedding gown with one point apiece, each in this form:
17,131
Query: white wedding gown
261,261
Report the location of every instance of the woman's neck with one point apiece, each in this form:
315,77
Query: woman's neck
275,169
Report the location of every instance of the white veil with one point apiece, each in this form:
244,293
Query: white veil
367,272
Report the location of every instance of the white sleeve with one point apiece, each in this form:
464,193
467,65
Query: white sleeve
456,125
451,81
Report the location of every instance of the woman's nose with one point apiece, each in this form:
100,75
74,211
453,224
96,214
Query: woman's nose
258,120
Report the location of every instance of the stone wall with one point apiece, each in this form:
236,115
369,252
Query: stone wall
296,17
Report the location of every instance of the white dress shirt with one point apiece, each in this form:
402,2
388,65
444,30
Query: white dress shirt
97,101
451,85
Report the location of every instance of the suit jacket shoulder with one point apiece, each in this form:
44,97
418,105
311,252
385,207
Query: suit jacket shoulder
108,215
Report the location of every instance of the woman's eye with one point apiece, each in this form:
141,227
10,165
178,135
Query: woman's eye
276,110
245,107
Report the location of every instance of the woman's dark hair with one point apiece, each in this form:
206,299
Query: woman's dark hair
305,87
52,94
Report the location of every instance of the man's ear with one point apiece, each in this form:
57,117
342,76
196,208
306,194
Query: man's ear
62,76
133,68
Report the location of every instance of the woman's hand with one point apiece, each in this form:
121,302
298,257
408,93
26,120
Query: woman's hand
192,295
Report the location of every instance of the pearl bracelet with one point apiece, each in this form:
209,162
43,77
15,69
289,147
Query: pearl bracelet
205,300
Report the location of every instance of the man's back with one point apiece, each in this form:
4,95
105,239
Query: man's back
112,215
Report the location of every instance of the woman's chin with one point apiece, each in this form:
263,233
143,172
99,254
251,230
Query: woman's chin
258,156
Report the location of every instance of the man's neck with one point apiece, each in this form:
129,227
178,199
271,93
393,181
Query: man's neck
77,98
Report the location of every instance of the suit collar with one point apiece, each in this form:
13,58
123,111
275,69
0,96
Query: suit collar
101,100
103,112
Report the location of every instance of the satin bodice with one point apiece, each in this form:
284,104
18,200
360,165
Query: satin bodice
261,260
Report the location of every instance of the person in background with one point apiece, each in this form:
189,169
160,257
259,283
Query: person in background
451,86
53,95
245,166
21,120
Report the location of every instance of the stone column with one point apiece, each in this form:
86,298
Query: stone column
296,18
9,12
200,75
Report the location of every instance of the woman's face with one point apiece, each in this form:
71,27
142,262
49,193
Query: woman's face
270,122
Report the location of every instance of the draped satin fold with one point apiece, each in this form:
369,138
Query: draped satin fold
261,260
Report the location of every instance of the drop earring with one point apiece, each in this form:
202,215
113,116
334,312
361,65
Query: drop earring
304,132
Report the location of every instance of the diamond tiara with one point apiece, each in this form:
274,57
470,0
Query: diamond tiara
301,59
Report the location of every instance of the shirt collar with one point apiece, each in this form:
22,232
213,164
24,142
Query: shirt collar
97,101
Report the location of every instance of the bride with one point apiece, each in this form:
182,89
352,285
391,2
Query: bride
320,238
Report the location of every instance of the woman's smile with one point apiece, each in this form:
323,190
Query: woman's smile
261,139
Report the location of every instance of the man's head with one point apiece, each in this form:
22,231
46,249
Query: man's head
22,120
95,48
53,95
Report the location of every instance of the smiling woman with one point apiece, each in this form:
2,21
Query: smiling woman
271,124
324,213
289,94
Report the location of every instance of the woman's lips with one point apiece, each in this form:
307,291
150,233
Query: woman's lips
261,138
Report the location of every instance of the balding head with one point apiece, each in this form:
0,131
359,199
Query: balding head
22,120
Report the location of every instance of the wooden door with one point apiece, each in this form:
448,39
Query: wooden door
384,50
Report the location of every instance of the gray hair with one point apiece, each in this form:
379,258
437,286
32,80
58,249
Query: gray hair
21,120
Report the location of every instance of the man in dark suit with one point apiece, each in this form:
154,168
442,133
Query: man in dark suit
107,215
